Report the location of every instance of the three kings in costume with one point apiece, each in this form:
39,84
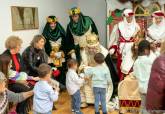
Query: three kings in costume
122,39
83,40
55,37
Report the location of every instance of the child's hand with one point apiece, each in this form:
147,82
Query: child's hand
86,78
82,75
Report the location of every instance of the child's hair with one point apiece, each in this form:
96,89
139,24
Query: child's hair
99,58
43,70
143,45
71,63
4,64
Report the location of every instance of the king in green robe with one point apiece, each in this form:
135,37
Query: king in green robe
55,37
53,32
77,29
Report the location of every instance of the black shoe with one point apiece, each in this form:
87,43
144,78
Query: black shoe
54,108
104,112
97,112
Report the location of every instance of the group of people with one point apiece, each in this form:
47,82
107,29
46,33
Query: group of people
44,63
141,57
77,60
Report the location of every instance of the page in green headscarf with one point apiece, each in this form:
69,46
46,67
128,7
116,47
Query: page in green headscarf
82,26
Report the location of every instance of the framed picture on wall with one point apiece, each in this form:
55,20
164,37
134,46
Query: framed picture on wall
24,18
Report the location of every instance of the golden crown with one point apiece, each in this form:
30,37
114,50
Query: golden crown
50,20
74,11
92,39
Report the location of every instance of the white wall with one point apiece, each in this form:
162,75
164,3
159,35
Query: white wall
45,8
94,8
97,10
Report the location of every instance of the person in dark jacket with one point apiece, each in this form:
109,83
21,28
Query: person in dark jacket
34,55
11,54
155,101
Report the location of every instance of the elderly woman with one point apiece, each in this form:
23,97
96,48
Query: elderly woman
34,55
13,46
7,96
155,101
12,55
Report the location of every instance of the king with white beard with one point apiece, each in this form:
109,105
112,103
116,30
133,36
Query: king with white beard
93,46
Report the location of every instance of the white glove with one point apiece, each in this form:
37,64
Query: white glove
82,75
112,51
73,56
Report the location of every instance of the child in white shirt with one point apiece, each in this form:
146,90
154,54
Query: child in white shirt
142,69
73,84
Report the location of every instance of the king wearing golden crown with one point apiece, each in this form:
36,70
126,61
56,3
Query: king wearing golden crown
93,47
55,37
77,29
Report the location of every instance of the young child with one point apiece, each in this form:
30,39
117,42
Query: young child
142,70
73,84
100,80
44,95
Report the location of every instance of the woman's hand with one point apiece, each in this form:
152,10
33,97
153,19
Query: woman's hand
24,82
36,78
27,94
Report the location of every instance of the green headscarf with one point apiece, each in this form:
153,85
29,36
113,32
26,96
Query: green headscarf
53,35
83,24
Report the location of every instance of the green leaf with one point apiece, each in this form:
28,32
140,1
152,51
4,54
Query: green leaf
110,20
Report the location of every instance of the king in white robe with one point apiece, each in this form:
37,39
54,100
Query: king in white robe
122,39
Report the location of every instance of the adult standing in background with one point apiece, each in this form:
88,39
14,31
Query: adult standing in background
53,33
156,32
77,29
122,38
55,37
